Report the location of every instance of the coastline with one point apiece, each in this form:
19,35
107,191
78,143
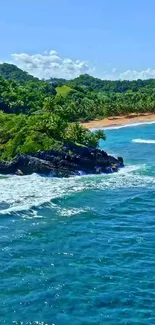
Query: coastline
120,120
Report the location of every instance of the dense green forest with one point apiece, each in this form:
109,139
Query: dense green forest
34,116
37,114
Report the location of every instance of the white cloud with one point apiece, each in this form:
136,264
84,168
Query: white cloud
135,74
50,64
115,74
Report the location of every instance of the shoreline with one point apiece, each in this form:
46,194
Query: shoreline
72,160
120,120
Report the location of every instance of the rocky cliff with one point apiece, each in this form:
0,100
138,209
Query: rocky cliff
71,160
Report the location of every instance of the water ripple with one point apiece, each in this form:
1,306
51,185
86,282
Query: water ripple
81,251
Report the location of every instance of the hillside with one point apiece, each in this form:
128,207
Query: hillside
86,82
37,115
98,85
12,72
82,99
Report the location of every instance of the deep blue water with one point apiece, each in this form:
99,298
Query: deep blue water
81,251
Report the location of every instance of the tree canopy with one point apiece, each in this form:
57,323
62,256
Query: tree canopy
37,114
12,72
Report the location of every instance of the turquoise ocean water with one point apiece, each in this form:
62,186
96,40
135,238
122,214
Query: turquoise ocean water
81,251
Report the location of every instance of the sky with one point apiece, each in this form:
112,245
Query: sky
109,39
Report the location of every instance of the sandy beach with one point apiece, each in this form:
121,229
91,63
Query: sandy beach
120,120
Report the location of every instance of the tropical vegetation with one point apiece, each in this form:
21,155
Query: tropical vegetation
38,115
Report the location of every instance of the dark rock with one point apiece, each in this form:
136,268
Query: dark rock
71,160
121,162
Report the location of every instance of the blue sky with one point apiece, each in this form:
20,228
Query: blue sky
107,38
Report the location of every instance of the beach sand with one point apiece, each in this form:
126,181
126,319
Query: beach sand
120,120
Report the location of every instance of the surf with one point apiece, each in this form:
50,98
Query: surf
143,141
117,127
28,192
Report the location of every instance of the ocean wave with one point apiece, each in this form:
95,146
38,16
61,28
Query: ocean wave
28,192
71,212
143,141
117,127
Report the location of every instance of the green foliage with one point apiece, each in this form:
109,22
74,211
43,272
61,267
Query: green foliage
27,98
63,90
89,83
29,134
10,71
38,115
82,99
77,133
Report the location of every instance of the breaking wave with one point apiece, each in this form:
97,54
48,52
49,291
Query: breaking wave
143,141
117,127
27,192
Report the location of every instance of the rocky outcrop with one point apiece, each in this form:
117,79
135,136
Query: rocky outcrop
71,160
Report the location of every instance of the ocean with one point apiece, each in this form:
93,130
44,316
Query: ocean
81,251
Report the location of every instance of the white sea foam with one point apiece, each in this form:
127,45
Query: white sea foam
71,212
23,193
117,127
143,141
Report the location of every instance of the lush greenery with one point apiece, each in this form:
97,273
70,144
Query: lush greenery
92,98
34,117
37,114
27,134
12,72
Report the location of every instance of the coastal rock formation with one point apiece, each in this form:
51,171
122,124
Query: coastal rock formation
71,160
